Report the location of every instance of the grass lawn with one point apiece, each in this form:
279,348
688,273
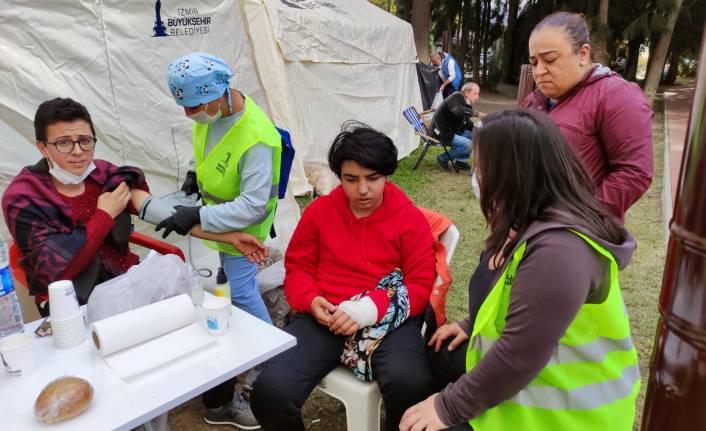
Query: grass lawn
450,193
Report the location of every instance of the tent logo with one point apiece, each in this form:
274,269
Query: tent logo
159,29
187,22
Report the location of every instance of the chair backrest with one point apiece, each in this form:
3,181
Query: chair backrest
412,116
17,271
136,238
450,239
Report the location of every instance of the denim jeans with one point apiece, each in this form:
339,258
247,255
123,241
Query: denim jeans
244,292
460,148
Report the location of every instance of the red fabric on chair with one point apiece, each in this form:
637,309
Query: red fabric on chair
136,238
156,245
438,224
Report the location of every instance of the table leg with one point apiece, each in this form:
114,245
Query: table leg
160,423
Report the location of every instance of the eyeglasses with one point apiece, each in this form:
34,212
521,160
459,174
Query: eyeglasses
66,146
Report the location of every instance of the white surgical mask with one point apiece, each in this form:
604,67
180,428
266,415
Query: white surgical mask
203,117
66,177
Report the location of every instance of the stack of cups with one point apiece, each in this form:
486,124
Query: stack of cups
67,323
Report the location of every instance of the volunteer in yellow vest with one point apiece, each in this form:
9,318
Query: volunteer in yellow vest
547,343
237,161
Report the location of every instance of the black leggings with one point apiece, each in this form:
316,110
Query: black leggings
447,367
399,364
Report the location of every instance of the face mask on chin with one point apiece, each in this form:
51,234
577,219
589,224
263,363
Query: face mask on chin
65,177
203,117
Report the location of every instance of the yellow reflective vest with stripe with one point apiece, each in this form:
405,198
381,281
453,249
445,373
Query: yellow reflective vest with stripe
217,174
592,379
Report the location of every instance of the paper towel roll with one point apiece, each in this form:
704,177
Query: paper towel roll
133,327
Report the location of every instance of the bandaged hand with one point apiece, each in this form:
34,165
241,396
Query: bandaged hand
363,311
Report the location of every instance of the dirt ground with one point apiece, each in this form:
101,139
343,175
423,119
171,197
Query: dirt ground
322,412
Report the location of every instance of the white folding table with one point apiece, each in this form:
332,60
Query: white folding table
125,404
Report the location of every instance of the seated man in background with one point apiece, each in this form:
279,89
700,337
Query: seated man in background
69,214
367,232
451,123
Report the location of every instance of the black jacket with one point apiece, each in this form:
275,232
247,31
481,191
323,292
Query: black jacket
452,116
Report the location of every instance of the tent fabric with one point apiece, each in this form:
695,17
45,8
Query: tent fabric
310,64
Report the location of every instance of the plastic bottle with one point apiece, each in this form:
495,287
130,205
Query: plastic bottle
222,285
10,311
196,288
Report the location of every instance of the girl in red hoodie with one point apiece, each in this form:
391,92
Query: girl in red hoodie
344,245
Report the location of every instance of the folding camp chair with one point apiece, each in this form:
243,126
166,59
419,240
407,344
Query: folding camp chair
420,129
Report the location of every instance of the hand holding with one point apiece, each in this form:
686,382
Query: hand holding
422,417
444,332
249,245
181,221
342,323
322,310
114,202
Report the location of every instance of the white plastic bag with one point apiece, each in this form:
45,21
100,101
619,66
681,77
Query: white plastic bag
438,98
156,278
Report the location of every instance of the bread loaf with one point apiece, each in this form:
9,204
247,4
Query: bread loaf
62,399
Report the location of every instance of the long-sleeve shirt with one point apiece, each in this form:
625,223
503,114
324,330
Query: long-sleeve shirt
558,274
255,169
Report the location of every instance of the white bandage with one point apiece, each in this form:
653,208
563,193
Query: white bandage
363,311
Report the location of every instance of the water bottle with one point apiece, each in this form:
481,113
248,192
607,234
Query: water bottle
222,285
10,312
196,288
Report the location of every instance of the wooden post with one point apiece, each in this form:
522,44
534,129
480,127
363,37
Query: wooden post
526,83
675,395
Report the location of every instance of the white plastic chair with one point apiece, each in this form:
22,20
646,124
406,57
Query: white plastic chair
362,399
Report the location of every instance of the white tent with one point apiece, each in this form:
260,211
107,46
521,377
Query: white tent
310,64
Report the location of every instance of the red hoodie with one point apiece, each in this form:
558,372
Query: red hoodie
334,255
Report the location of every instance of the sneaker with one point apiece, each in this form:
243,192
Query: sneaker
237,413
462,166
443,164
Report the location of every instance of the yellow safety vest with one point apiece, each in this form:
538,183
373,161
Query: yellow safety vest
592,379
217,173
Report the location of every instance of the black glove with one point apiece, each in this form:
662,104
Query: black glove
181,221
190,185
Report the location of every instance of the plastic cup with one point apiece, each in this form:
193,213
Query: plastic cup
216,314
63,303
17,354
68,332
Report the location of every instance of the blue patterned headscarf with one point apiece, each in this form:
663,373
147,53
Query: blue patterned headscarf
198,78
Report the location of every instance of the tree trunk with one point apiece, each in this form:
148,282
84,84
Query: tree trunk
403,9
486,40
465,34
420,27
600,54
477,41
509,41
654,73
633,56
673,66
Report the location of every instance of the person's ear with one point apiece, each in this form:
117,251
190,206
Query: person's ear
41,148
584,54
